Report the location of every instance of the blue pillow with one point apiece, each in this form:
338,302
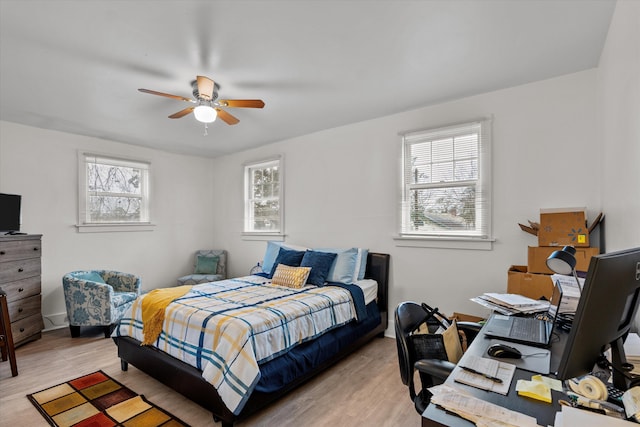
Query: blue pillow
362,261
270,255
90,276
289,257
320,263
344,267
272,251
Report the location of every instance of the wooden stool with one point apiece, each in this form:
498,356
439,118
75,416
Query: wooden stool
6,338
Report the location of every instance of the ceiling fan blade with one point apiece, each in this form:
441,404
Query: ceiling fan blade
205,87
181,113
168,95
242,103
226,117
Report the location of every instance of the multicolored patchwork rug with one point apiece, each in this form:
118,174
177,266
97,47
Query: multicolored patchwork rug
97,400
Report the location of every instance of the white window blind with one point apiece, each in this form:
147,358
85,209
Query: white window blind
263,197
112,190
447,182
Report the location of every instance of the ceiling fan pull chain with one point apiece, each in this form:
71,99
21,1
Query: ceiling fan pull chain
205,130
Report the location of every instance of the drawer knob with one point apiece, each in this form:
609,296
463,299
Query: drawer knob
20,289
2,252
20,310
20,270
35,249
21,329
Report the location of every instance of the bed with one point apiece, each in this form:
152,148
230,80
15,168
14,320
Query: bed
280,372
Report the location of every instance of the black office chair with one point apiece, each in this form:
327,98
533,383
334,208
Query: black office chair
427,354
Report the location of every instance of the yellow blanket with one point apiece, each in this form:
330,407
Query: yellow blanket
154,305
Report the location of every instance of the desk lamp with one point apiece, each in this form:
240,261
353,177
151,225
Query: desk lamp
564,262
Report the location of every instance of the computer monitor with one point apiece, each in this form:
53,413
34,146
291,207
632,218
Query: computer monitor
604,316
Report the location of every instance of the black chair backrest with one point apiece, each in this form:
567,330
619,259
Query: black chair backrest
408,316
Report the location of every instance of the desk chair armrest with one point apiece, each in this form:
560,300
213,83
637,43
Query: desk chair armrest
438,370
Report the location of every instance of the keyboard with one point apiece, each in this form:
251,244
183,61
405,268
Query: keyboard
615,395
524,328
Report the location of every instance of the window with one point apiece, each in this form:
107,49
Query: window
446,182
113,191
263,197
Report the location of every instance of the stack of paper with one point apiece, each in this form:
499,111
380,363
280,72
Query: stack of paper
509,304
485,374
478,411
570,417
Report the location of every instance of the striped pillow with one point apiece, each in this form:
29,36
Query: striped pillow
291,277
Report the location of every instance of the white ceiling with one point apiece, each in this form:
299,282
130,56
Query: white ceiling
75,66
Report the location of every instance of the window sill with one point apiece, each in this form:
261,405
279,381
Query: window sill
444,242
278,237
109,228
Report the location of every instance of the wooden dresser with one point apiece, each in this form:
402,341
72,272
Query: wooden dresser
20,278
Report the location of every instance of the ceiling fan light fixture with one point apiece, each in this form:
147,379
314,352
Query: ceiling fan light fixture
205,113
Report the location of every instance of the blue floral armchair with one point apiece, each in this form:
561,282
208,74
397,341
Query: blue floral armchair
98,298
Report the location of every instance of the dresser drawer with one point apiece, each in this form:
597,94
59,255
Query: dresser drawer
21,288
27,329
24,308
20,269
20,249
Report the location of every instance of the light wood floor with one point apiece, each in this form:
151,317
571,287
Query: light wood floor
362,390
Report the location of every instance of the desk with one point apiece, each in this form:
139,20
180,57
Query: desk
543,412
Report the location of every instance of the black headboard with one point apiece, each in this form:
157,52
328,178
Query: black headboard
378,269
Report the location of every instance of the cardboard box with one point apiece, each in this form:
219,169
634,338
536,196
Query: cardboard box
560,227
537,259
536,286
462,317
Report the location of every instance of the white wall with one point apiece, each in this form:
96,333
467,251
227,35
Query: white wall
341,186
41,165
619,102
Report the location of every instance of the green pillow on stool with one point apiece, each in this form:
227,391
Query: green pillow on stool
207,264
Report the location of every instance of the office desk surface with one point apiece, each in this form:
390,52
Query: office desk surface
543,412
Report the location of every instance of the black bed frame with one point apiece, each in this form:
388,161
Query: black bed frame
188,381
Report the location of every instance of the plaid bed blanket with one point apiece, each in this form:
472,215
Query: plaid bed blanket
226,328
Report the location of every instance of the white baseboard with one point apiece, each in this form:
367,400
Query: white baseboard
390,332
55,321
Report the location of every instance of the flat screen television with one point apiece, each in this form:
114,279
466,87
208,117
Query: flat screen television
604,317
9,212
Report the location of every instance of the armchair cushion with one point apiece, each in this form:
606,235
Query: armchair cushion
121,298
194,279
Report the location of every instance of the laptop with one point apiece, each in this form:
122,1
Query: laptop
526,330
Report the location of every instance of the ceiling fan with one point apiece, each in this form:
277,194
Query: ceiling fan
208,105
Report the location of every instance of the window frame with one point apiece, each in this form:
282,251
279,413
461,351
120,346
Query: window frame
249,233
481,236
84,223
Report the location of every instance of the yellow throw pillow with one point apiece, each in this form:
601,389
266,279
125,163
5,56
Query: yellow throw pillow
292,277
